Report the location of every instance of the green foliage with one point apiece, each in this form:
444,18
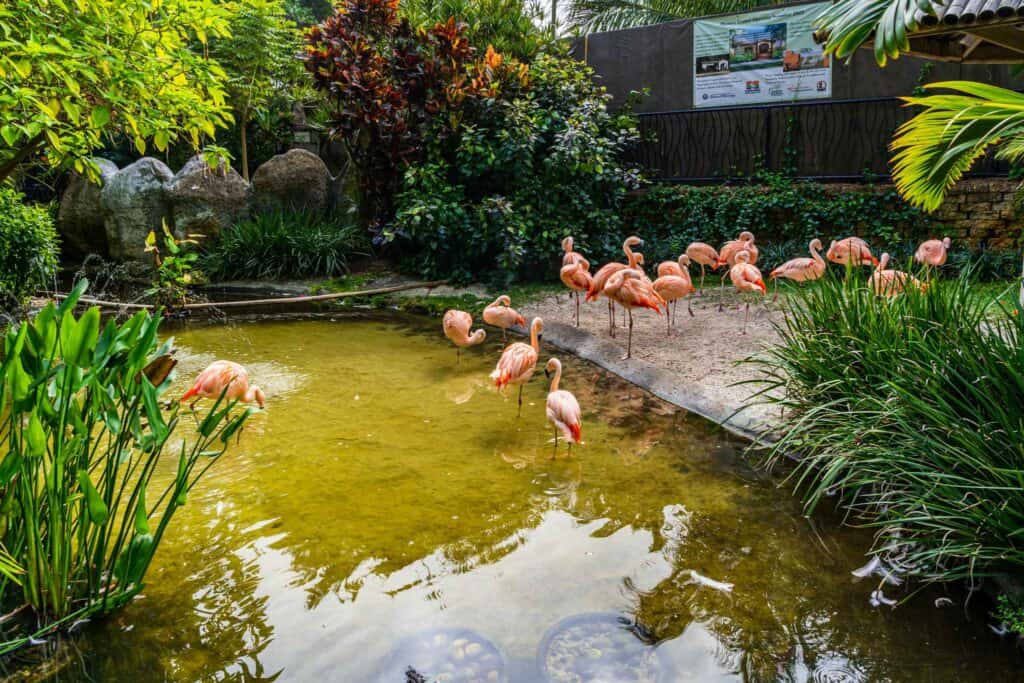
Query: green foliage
512,27
84,434
1011,614
910,412
779,210
172,272
28,248
284,245
518,174
73,72
593,16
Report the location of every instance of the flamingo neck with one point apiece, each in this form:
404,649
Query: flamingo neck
815,255
533,338
883,262
500,301
557,378
630,256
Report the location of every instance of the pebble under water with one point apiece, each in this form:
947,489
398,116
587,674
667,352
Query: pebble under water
388,518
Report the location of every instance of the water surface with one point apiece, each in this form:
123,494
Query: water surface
387,492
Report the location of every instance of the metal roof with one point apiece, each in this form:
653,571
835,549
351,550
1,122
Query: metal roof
970,31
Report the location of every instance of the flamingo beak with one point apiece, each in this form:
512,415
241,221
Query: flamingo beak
547,373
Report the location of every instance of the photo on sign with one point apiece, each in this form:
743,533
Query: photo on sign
806,58
755,47
712,65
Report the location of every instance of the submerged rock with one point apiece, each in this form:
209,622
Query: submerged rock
80,217
297,179
135,202
205,200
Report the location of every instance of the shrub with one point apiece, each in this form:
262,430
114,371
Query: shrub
521,171
515,28
28,248
911,411
84,433
294,244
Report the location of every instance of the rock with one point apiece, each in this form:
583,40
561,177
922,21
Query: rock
296,179
134,202
80,217
204,200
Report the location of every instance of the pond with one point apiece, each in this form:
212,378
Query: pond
389,510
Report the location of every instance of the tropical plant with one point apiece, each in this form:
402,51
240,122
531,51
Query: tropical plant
72,73
292,244
259,56
593,16
907,412
86,494
28,248
173,260
511,27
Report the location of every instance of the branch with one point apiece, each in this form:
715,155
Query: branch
9,166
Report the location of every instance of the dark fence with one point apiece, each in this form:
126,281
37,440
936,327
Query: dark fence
838,140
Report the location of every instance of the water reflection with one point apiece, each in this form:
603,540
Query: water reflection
387,492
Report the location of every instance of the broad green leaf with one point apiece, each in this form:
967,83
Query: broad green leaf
35,436
99,116
98,512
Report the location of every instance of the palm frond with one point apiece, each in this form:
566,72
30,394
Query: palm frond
849,24
592,16
936,147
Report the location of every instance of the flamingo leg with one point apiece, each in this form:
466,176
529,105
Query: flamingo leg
668,324
629,341
745,318
776,296
519,413
689,306
611,318
577,309
504,334
570,449
554,452
701,292
458,356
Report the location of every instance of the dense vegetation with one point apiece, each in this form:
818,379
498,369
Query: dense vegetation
908,413
28,249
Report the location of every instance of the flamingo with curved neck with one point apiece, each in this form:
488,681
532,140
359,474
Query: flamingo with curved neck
631,289
518,361
562,408
801,269
576,276
501,314
227,378
456,326
601,277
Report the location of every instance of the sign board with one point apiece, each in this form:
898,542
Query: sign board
756,57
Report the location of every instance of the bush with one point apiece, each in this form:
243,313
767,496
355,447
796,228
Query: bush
84,433
28,248
521,172
279,245
911,411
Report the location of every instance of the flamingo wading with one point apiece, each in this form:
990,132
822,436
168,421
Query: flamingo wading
228,378
563,410
518,361
456,327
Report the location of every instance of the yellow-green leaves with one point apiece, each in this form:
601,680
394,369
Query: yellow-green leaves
35,437
78,339
95,506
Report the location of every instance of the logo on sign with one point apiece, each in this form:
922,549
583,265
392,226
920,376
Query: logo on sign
753,87
822,85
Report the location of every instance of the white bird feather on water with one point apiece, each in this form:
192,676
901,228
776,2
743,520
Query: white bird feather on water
877,567
702,580
878,598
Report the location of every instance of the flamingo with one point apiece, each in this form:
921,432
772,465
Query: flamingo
500,314
518,361
671,288
705,255
850,251
932,252
727,254
576,276
570,256
801,269
888,282
228,378
602,275
563,409
746,278
631,289
456,327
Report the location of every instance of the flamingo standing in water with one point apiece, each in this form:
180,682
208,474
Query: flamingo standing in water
705,255
631,289
801,269
228,378
674,283
851,251
500,314
569,256
933,252
563,409
602,275
576,276
746,278
887,282
518,361
456,327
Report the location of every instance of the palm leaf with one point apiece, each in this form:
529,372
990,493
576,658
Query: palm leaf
936,147
591,16
849,24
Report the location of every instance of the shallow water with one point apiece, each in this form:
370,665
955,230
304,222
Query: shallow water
387,492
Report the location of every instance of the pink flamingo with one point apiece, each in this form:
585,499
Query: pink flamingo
227,378
569,256
705,255
933,252
600,278
500,314
674,283
801,269
852,250
518,361
631,289
576,276
563,409
727,254
888,282
456,327
746,278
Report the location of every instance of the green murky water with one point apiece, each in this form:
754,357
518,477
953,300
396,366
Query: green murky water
387,493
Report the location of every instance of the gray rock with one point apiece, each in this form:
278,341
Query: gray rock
134,202
204,200
296,179
80,217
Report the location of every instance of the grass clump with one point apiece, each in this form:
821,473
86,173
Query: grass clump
910,411
281,245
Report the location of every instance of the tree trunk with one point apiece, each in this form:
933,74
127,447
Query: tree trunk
245,150
11,165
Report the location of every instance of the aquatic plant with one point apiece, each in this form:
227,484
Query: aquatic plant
84,432
911,411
